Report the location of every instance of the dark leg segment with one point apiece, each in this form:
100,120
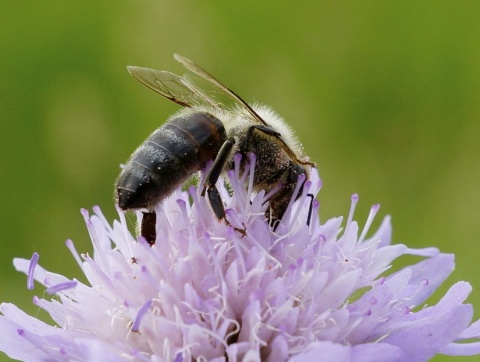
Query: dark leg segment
279,201
212,178
212,192
216,202
310,208
147,230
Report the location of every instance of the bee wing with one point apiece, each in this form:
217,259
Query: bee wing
199,88
167,84
219,95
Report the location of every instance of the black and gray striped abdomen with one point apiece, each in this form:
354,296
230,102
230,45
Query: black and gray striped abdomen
167,158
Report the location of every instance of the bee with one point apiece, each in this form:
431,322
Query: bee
214,124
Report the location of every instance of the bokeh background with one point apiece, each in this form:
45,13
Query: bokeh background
385,96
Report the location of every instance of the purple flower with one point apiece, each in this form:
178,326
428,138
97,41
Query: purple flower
204,292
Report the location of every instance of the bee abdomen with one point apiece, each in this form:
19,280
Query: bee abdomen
167,158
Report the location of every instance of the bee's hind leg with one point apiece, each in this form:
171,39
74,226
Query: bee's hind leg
147,229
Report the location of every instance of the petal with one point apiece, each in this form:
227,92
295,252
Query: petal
333,352
473,331
376,352
461,349
17,316
384,232
336,292
325,352
435,270
428,334
16,347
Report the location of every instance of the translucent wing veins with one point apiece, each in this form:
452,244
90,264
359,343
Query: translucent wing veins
198,88
165,83
187,63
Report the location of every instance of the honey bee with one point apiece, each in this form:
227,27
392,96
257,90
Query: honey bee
214,124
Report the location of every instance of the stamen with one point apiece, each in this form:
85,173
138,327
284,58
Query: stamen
313,213
143,241
141,313
123,222
300,182
353,205
236,160
192,192
301,201
31,270
38,342
251,174
237,188
150,278
97,245
99,213
84,213
273,191
61,287
373,211
76,256
183,208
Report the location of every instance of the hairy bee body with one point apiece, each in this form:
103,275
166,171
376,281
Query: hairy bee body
170,155
214,124
274,167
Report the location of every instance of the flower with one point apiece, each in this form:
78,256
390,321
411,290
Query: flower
205,292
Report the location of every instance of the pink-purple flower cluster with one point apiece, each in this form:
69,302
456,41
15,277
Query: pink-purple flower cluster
205,292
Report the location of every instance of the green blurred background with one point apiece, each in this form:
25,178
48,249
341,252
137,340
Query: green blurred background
385,96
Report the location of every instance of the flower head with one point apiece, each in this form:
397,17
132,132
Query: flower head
206,292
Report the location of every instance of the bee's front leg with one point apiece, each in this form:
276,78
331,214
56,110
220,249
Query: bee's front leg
223,157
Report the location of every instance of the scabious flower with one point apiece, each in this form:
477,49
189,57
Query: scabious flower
316,291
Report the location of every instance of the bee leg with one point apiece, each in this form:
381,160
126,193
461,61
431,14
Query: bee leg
216,202
219,163
310,208
147,229
280,200
217,206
